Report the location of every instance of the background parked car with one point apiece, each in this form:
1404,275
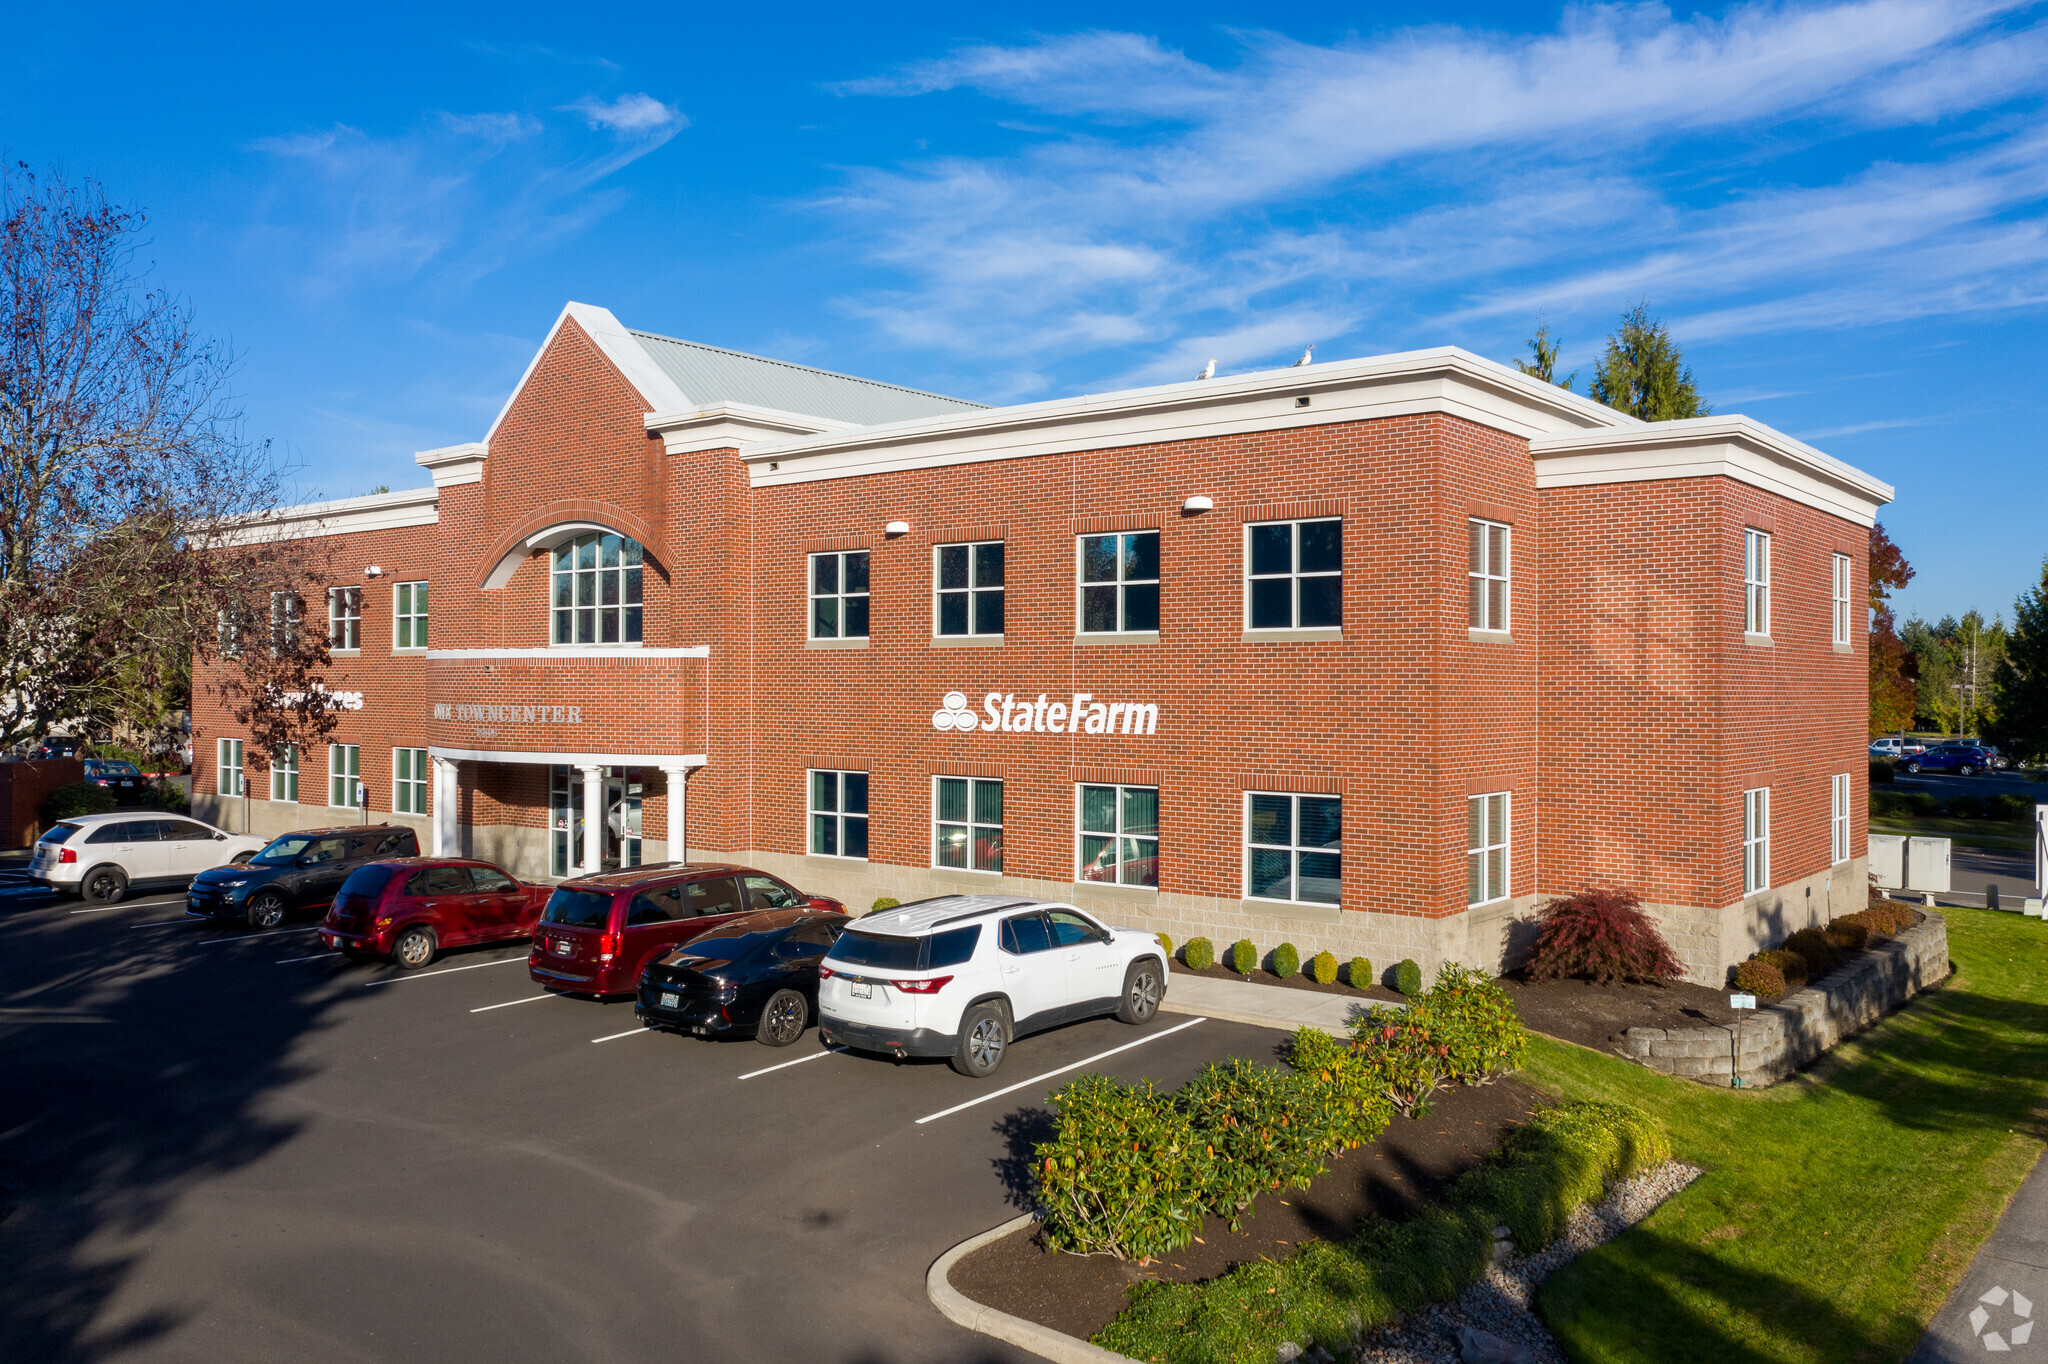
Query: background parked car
757,974
409,908
103,857
112,774
56,746
1962,759
297,871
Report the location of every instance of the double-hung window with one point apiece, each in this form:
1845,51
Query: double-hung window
1756,582
409,781
839,814
1294,575
284,773
286,610
1294,847
839,595
967,823
345,618
344,766
967,587
1838,816
1756,840
409,616
1840,595
1487,575
230,767
1119,588
233,619
1486,848
597,590
1118,832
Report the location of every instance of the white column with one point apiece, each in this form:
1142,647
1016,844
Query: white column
447,808
678,804
593,819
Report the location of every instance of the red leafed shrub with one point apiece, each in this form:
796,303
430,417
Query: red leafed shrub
1602,934
1760,978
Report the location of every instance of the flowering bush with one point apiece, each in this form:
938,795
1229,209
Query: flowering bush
1601,934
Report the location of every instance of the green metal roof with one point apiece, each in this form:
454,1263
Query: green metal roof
707,374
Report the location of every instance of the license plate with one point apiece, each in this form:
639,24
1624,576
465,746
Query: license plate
562,947
860,989
669,1000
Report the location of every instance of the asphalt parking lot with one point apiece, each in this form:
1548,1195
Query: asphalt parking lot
225,1146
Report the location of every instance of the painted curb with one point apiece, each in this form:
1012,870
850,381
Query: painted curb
1042,1341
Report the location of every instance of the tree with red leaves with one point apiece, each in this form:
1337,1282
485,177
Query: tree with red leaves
1894,672
1602,935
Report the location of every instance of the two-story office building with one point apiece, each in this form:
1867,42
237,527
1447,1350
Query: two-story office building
1370,655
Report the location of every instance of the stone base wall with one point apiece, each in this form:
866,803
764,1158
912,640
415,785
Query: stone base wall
1712,940
1790,1035
269,818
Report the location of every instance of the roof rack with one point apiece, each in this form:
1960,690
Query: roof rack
985,909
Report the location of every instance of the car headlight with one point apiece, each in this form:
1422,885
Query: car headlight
231,885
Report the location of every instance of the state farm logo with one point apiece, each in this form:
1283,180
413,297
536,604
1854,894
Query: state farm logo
1083,714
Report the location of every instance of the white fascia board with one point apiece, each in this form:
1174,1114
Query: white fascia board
1446,380
723,425
493,755
631,359
1734,447
573,653
454,465
343,516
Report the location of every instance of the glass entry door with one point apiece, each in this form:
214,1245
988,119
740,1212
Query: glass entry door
621,840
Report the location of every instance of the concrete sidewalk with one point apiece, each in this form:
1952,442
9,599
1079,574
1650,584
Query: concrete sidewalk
1999,1305
1265,1006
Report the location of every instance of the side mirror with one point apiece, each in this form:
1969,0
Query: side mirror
220,838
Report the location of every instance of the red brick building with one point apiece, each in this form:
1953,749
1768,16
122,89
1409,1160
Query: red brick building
1370,655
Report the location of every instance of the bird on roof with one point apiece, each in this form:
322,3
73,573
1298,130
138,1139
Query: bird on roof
1307,357
1208,371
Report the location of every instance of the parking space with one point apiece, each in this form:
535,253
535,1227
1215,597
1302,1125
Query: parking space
257,1150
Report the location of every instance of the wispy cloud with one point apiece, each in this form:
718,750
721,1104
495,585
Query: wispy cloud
631,115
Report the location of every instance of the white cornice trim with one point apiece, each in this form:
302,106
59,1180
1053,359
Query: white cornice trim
656,389
454,465
571,653
497,755
310,520
1447,380
721,425
1733,446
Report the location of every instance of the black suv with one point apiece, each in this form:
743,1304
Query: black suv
300,870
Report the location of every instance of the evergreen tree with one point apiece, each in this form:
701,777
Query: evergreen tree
1643,373
2021,680
1544,346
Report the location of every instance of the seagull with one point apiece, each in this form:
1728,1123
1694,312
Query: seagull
1208,371
1307,357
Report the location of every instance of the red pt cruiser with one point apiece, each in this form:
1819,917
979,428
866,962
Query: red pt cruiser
598,933
409,908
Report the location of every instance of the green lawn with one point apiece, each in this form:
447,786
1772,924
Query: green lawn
2000,835
1839,1207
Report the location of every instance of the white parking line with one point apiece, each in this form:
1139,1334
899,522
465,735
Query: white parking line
1037,1079
102,909
317,956
510,1002
829,1051
617,1035
446,970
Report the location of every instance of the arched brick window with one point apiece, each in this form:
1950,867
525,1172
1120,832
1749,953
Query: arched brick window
597,590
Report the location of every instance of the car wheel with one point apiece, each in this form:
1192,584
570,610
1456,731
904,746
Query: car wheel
1141,994
414,948
239,858
1912,767
983,1039
266,909
105,886
782,1019
1965,770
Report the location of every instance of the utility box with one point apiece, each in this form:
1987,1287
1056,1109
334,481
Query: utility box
1927,865
2041,849
1888,860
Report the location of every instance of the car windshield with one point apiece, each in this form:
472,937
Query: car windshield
58,833
368,881
857,948
728,945
282,850
578,908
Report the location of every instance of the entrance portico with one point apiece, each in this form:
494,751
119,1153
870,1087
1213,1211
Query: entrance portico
591,771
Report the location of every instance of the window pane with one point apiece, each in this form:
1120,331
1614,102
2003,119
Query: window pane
1272,549
1475,869
855,786
586,589
952,613
1497,603
608,589
856,840
608,626
857,571
586,552
1497,551
952,566
632,625
632,585
564,586
988,565
1270,879
562,627
1474,611
1098,858
824,573
988,849
824,618
856,617
1475,824
1140,862
988,802
1141,810
1141,555
1321,879
1322,546
1322,602
988,613
586,627
1098,809
1322,822
1098,559
1098,609
1272,603
1496,819
419,599
824,835
1141,607
952,849
1272,820
952,798
824,790
1496,873
1474,561
609,546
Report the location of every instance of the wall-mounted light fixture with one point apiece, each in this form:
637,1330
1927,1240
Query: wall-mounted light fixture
895,528
1198,503
374,571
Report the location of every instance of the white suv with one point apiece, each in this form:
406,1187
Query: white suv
961,975
102,856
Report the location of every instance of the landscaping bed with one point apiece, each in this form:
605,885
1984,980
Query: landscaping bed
1411,1164
1299,981
1596,1015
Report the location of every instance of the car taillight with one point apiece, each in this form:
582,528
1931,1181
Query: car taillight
607,945
68,855
921,987
824,971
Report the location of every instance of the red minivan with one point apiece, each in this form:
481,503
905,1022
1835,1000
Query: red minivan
598,933
409,908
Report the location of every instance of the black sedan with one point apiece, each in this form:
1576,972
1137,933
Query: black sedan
757,974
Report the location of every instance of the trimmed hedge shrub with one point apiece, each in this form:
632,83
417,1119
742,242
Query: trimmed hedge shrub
1199,954
1921,803
1406,977
1603,935
1165,945
1244,958
1761,979
883,902
1848,934
1322,968
1787,964
79,798
1286,960
1358,975
1815,950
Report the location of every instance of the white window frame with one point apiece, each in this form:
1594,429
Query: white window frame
232,621
1295,849
232,776
1119,585
1756,582
839,595
971,592
629,611
409,781
1489,560
1756,840
287,613
344,619
409,608
284,774
1483,883
1839,790
1294,575
970,823
838,814
1117,836
1841,599
344,770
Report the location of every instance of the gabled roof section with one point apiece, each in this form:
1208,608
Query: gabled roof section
656,389
711,375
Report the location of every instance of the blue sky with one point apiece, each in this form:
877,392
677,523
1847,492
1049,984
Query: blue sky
1839,208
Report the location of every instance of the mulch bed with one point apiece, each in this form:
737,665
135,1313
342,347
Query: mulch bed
1294,982
1412,1162
1593,1015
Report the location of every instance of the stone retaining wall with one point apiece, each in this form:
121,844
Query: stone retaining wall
1793,1033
